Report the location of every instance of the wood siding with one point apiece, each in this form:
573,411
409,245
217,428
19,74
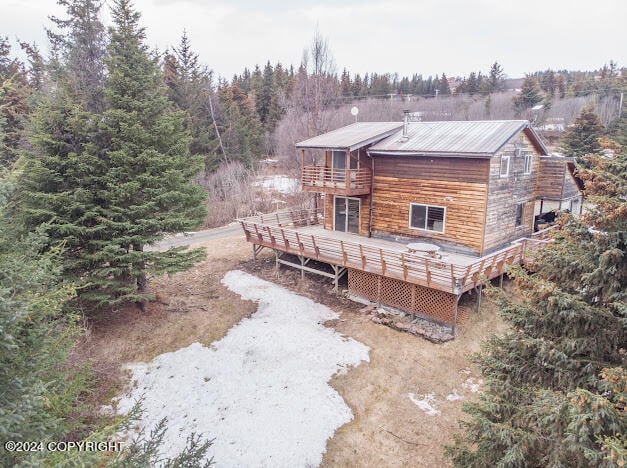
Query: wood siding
505,193
459,185
364,216
328,211
571,189
551,178
364,208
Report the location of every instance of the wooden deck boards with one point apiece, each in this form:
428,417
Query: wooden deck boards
301,232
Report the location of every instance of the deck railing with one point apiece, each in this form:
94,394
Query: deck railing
320,177
280,231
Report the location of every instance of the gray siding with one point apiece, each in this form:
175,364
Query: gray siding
504,194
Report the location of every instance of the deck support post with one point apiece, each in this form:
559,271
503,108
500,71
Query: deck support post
256,249
479,290
302,264
277,264
454,325
338,272
501,281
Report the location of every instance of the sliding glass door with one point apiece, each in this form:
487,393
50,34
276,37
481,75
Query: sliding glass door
346,211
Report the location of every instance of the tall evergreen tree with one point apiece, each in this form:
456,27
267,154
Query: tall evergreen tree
239,125
561,86
548,83
443,86
345,83
190,87
15,91
267,104
357,85
582,137
148,189
496,77
529,95
472,84
556,382
79,47
61,187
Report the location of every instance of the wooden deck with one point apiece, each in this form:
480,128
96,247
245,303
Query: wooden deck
334,181
300,232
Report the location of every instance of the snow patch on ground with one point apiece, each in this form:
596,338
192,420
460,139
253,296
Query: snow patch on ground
472,386
261,391
278,183
454,396
426,404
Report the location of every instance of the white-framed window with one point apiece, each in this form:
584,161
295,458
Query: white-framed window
528,160
520,211
504,165
427,217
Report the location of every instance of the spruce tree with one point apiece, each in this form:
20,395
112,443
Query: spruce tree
345,83
190,88
582,137
148,189
443,86
529,95
556,382
472,84
15,91
496,77
267,104
79,47
61,188
239,125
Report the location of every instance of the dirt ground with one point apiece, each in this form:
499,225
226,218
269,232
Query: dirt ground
388,429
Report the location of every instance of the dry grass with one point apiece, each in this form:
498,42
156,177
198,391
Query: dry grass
388,429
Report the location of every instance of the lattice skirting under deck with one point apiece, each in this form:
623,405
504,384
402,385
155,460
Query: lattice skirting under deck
432,303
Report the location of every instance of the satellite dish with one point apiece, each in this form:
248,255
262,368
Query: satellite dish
354,111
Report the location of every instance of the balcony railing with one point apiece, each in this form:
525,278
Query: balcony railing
283,231
336,181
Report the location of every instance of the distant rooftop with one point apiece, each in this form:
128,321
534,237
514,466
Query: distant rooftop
352,136
469,138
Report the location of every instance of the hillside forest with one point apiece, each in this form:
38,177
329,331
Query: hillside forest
107,145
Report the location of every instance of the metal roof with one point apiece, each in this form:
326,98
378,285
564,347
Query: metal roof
352,136
465,138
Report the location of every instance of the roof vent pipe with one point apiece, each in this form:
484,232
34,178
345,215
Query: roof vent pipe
405,137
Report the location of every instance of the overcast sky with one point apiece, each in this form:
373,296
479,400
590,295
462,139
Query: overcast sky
403,36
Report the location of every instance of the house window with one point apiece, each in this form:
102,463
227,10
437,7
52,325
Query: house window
426,217
504,166
520,208
528,160
339,160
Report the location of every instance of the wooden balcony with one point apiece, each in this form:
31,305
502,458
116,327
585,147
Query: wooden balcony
300,232
347,182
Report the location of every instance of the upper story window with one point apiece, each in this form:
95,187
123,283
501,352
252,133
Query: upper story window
528,161
426,217
339,160
504,165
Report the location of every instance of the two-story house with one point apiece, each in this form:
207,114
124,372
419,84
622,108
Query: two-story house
417,212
